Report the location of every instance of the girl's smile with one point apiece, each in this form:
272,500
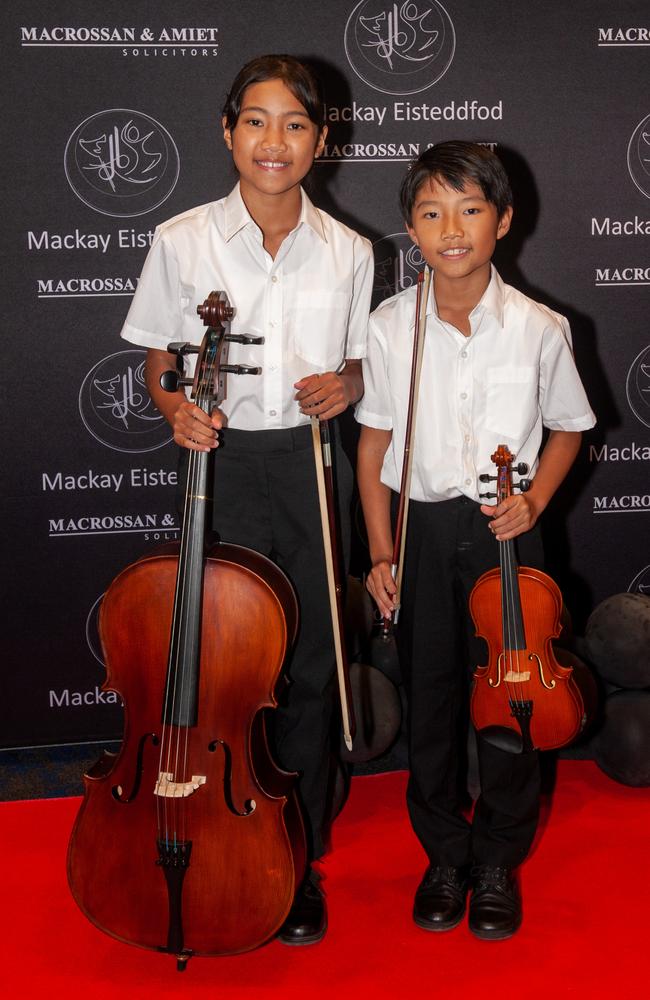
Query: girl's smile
274,142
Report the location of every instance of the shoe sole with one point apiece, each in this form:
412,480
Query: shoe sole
437,927
494,935
298,942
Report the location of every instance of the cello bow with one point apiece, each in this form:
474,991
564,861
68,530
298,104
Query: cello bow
324,478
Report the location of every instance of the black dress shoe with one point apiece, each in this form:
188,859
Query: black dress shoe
495,903
439,901
307,920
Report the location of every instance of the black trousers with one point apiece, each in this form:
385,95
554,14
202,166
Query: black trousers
449,545
266,498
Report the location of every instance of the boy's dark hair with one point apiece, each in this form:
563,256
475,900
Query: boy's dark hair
454,164
299,78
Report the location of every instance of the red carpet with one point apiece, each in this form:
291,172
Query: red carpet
585,931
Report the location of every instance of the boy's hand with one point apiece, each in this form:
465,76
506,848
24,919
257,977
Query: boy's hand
195,429
382,587
512,517
322,396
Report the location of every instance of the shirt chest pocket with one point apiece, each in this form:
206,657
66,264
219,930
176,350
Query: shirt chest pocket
511,399
320,324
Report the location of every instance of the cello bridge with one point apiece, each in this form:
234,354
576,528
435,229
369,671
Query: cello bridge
167,788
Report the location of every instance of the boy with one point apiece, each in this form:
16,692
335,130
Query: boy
497,367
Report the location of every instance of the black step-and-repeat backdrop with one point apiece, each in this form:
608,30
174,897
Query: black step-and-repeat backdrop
111,125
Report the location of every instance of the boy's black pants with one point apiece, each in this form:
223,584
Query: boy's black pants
449,545
266,498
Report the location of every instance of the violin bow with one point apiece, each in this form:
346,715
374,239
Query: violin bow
399,542
323,460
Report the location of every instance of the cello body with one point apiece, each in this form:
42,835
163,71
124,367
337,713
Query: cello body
245,861
190,840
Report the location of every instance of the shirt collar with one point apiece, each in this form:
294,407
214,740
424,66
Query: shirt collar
237,216
491,301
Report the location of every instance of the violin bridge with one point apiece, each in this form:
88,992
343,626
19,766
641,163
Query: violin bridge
167,788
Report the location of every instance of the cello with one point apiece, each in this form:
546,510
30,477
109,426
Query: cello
523,698
190,840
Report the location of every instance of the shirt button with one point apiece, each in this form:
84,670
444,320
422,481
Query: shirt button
274,278
467,437
273,368
463,395
272,413
463,354
468,482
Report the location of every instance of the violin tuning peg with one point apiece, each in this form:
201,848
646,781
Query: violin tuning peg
521,469
524,485
490,496
485,477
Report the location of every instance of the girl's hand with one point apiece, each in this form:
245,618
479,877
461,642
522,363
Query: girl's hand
323,396
512,517
382,587
195,429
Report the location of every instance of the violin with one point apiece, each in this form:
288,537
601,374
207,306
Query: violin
190,840
523,698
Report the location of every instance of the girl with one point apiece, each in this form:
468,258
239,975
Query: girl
302,281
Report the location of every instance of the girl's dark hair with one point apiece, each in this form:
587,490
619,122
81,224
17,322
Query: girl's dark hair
454,164
299,78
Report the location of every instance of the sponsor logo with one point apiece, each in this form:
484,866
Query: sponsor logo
368,152
641,583
121,162
84,288
625,503
166,41
398,262
637,386
617,37
628,453
638,156
607,276
156,527
116,408
401,47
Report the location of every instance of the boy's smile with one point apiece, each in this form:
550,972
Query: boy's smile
457,232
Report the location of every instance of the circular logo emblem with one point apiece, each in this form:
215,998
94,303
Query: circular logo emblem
637,386
398,262
116,408
638,156
121,163
92,631
641,583
400,48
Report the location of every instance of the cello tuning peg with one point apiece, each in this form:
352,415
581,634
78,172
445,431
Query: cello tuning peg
182,347
243,338
524,485
485,477
241,369
170,381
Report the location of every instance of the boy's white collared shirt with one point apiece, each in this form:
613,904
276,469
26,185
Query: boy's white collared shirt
513,375
310,303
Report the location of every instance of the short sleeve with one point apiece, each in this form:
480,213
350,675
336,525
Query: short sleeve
155,316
